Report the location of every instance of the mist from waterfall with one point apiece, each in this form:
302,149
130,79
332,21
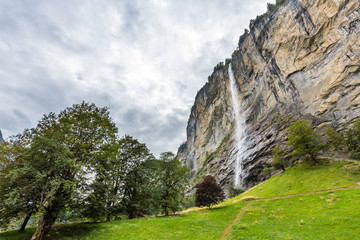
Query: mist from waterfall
240,131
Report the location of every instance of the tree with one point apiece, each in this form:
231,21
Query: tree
353,140
279,160
335,140
172,180
208,192
139,181
304,140
15,199
58,157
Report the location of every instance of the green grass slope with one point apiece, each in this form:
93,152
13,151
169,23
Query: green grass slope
274,214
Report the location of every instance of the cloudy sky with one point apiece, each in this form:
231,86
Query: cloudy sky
145,59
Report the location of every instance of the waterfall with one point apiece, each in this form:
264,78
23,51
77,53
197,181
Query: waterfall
240,131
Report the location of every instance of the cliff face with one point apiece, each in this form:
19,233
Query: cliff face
302,60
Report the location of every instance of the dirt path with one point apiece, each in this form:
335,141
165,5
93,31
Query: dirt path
225,234
234,221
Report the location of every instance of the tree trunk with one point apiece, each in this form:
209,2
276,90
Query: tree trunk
26,220
314,159
166,210
166,207
131,214
43,226
108,217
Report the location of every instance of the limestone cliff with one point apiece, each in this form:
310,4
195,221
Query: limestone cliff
301,60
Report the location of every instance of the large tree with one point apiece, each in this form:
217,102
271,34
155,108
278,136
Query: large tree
139,177
172,180
59,159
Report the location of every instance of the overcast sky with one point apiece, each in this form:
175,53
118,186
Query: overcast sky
145,59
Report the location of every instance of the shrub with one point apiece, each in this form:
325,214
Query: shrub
234,191
335,139
279,160
267,171
353,140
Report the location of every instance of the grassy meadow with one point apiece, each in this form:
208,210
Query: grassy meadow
289,205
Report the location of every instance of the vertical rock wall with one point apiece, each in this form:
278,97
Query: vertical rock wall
302,60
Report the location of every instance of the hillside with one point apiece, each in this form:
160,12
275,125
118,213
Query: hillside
298,61
305,202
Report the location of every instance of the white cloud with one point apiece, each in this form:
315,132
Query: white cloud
144,59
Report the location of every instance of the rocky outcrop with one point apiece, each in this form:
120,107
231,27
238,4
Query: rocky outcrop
1,137
301,60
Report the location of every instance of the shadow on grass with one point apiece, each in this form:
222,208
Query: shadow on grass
16,235
73,230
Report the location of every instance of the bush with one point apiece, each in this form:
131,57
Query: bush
335,140
208,192
234,191
267,171
279,161
353,140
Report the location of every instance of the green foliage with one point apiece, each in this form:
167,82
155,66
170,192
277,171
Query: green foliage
188,202
335,139
139,177
15,199
234,191
208,192
219,66
173,182
267,171
270,7
55,158
305,141
227,61
311,215
353,140
279,160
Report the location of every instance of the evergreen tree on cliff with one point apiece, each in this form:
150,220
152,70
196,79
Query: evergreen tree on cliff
208,192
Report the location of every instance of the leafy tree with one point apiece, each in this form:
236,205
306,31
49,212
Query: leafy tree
279,160
304,140
58,157
172,180
208,192
15,199
335,139
353,140
139,182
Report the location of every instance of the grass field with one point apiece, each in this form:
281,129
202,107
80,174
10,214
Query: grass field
334,214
